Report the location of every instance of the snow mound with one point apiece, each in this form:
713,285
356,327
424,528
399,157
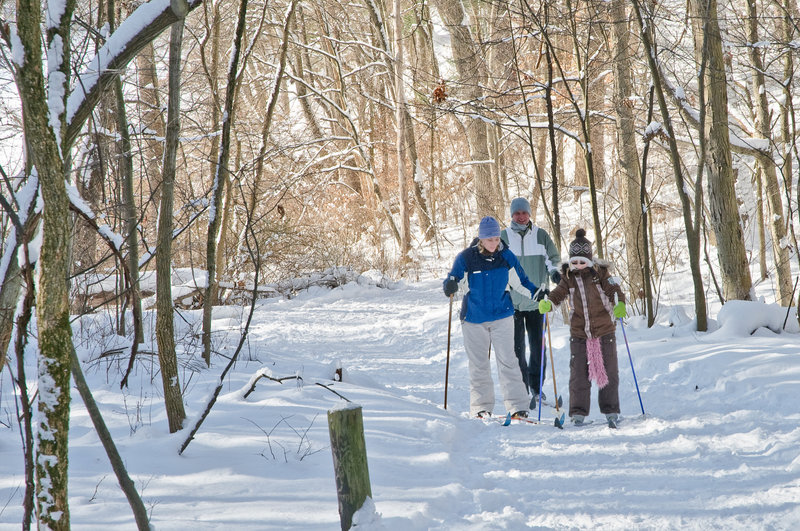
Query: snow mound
744,318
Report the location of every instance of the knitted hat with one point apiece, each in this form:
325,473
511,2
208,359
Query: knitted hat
489,228
520,204
580,246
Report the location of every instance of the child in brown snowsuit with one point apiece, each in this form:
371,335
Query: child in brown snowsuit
593,345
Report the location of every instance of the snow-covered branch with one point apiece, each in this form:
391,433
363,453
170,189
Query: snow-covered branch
135,32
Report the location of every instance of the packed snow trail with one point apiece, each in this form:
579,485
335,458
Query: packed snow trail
709,468
718,449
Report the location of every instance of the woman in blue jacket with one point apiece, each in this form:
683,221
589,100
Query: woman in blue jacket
490,270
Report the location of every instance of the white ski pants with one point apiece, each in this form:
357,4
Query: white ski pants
477,339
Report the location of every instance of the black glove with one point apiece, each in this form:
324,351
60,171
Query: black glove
541,294
450,286
555,276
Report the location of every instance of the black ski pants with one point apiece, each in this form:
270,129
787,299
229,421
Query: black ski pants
530,322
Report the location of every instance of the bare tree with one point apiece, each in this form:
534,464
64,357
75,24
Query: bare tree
582,53
221,180
630,173
766,163
724,208
129,205
692,228
400,117
472,76
49,131
45,127
165,328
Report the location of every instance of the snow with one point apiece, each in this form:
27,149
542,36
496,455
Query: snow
17,49
141,18
718,448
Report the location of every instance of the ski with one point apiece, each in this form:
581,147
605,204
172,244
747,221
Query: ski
558,405
558,423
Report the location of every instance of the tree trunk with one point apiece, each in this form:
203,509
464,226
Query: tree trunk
125,482
11,284
45,139
501,81
299,67
400,145
780,249
165,334
692,233
221,179
55,340
152,119
762,230
554,152
788,138
472,76
128,198
646,223
407,126
25,407
630,173
724,208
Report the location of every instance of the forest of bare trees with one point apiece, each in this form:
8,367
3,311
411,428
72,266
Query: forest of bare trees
261,140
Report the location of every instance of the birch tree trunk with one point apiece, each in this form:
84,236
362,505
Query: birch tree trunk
725,220
165,329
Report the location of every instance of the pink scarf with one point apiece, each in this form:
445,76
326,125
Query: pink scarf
597,370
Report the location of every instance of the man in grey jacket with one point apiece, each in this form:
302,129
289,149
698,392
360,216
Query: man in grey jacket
540,259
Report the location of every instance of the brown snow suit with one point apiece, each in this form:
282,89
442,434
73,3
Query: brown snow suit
591,294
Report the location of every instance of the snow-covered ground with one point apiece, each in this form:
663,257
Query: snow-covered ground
718,448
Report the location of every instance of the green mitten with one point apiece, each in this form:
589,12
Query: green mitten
619,310
545,306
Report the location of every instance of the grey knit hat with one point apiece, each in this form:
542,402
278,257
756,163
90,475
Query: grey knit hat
580,246
520,204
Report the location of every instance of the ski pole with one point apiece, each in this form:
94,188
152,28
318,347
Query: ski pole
541,363
552,367
447,365
790,304
631,360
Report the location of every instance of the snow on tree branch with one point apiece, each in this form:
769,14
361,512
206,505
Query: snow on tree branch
135,32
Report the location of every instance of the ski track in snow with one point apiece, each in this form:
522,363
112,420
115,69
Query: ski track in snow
718,448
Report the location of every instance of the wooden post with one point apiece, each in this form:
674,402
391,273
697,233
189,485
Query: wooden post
346,427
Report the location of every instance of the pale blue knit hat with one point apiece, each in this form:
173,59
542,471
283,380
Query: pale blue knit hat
520,204
489,228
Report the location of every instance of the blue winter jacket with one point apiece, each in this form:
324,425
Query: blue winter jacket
488,279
